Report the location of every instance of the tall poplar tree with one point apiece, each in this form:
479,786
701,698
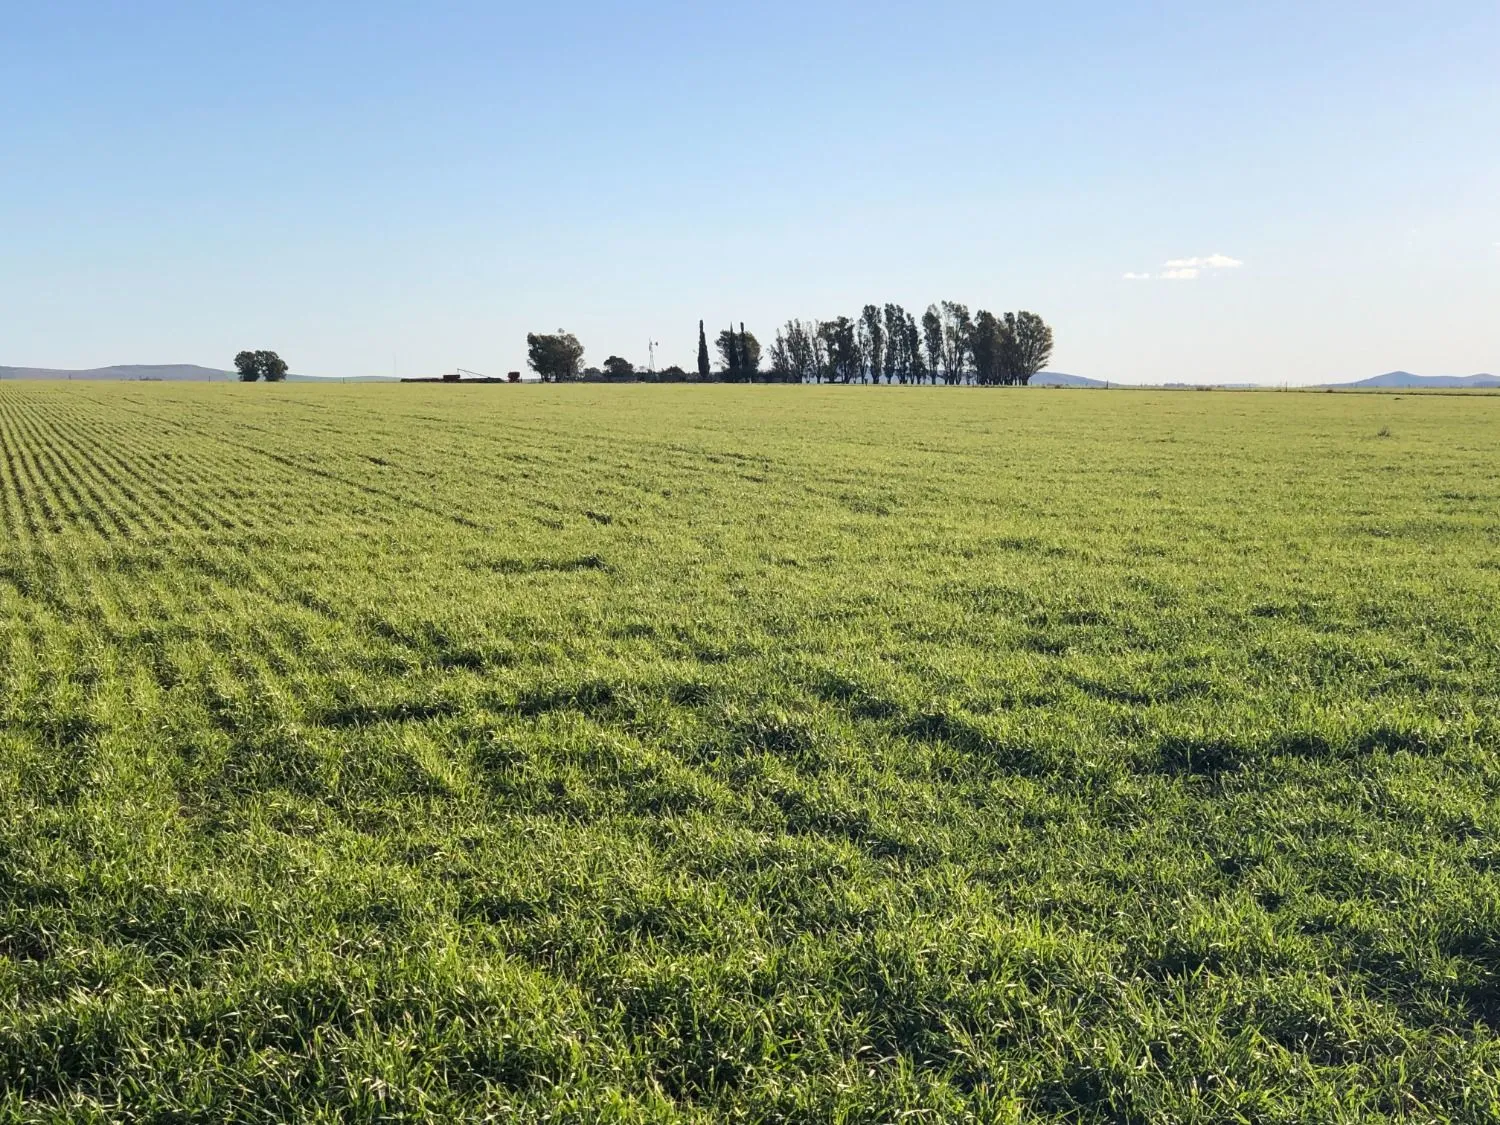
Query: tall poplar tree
749,355
731,354
703,368
872,340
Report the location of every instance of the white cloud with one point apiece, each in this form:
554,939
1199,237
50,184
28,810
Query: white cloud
1212,262
1190,269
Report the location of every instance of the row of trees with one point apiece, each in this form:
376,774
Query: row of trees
888,343
884,343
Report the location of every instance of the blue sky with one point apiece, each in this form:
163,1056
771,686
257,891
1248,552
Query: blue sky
390,186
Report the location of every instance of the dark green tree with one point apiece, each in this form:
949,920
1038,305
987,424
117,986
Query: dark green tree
556,357
912,356
1032,343
799,339
704,371
932,340
617,368
749,354
260,365
248,367
895,343
986,346
841,348
781,359
872,342
739,351
822,368
957,330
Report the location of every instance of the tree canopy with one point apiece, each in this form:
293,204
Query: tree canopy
739,351
556,357
253,366
1032,344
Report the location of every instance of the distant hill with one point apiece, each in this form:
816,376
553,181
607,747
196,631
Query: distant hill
1058,379
164,372
167,372
1407,379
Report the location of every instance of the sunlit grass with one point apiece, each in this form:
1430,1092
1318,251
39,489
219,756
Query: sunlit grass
749,753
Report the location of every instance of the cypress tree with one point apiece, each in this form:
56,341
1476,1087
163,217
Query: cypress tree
733,374
703,369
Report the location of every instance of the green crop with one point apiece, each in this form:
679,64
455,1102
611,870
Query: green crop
747,753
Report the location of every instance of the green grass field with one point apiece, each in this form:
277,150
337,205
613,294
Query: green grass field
382,753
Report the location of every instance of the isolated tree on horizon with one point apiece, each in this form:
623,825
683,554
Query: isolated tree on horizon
555,357
260,365
704,370
617,368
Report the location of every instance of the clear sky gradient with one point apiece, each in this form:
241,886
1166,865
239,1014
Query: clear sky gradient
373,186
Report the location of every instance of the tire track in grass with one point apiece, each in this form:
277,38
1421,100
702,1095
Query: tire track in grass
358,486
74,511
563,473
66,578
20,521
223,568
143,513
79,473
110,582
28,497
77,466
559,471
192,496
212,483
176,470
158,514
463,464
32,479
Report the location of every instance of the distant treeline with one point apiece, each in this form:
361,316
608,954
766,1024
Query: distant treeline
884,343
